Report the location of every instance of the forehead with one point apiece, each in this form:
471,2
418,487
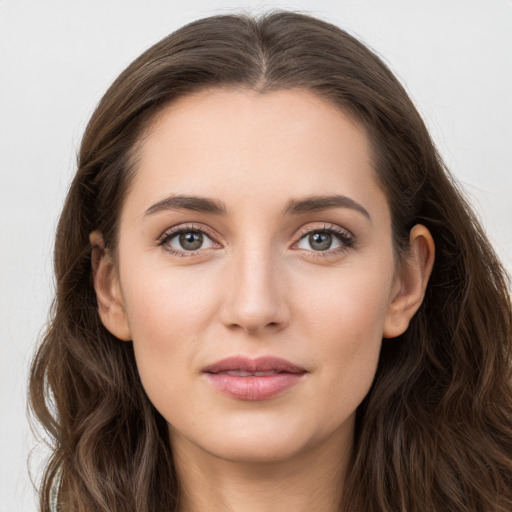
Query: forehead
244,145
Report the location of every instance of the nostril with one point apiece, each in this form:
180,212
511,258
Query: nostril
254,328
254,307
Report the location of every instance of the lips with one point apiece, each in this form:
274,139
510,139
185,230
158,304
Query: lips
253,379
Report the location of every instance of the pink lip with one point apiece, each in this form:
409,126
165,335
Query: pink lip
282,375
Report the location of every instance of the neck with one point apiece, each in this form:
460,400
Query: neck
311,481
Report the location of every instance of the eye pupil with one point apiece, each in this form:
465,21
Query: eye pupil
191,240
320,241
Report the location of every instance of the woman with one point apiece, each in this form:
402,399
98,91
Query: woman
271,295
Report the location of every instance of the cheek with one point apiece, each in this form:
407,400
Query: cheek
167,312
163,301
349,303
343,317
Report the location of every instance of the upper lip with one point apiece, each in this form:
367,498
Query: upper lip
247,364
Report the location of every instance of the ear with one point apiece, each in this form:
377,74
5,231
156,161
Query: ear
411,282
108,291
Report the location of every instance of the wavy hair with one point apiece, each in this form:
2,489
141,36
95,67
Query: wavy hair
434,434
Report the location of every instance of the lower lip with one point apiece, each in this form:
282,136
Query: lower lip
253,387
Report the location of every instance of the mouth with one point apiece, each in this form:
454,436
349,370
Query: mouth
244,378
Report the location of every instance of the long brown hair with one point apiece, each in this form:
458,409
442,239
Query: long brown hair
434,433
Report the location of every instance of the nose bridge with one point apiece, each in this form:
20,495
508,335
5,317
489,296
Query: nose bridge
254,294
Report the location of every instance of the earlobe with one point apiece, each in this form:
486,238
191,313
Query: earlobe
111,306
412,282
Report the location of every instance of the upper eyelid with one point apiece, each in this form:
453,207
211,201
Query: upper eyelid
331,228
182,228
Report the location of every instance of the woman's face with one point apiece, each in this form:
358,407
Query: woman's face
255,273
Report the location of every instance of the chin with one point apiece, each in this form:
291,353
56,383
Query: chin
256,449
260,438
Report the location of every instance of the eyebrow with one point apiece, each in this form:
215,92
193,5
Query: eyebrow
293,207
314,203
193,203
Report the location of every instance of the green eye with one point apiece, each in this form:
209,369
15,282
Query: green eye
187,240
327,239
190,241
320,241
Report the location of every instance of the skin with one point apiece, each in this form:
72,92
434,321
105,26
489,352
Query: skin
257,286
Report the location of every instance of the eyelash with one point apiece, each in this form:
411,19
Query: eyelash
346,239
164,240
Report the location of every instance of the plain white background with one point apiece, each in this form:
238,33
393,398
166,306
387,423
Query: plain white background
58,57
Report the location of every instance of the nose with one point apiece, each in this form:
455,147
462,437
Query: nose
255,294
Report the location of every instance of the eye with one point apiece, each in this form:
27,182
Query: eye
330,238
187,239
319,241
